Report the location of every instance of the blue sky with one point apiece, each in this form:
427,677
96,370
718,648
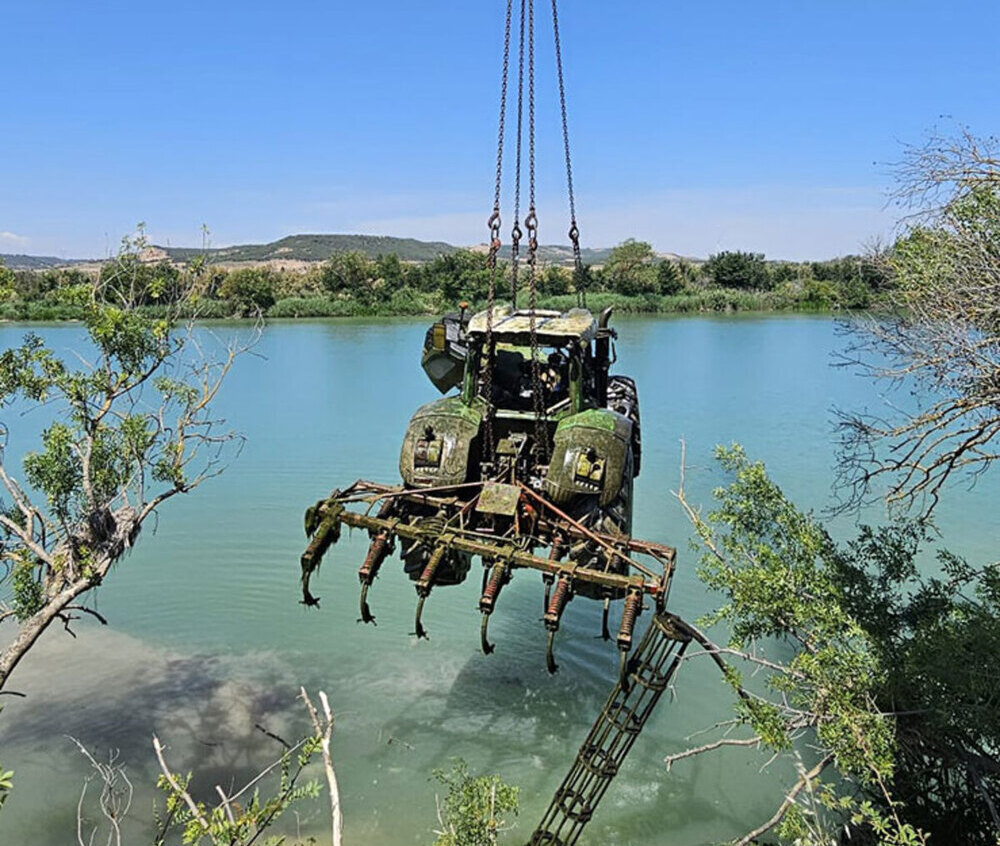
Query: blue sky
695,126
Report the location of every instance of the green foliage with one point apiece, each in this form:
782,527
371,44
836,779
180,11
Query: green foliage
348,271
747,271
6,783
27,593
555,280
780,575
631,270
7,282
251,290
235,823
937,637
474,809
668,278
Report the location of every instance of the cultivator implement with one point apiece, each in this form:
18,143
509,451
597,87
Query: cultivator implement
440,530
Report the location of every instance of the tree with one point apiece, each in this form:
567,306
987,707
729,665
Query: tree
473,810
7,287
250,289
630,268
739,270
347,271
668,278
886,669
555,280
942,342
132,428
780,575
936,638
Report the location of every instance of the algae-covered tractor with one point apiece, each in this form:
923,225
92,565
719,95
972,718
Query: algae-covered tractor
527,462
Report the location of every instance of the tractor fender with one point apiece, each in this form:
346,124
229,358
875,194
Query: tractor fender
438,445
590,455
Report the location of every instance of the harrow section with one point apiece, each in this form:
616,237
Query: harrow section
441,529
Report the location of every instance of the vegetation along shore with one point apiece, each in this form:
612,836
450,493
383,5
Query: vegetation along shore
362,276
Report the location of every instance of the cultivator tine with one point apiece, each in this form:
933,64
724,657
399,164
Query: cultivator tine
322,522
562,594
499,575
424,585
556,552
631,612
605,631
381,547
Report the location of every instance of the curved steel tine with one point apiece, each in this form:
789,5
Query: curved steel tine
366,613
623,667
488,648
550,661
605,631
419,629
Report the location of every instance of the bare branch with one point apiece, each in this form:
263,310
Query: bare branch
176,787
805,780
323,729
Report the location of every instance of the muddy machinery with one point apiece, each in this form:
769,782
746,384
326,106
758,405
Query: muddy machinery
527,463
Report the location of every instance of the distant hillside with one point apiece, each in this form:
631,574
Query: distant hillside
560,254
22,262
321,247
317,248
309,248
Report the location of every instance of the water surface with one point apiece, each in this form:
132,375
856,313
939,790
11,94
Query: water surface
207,636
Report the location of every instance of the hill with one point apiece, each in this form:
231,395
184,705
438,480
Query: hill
22,262
317,248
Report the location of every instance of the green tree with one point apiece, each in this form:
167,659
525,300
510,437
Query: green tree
631,269
474,810
936,637
555,280
739,270
390,270
668,278
347,272
7,287
251,290
460,275
780,575
109,460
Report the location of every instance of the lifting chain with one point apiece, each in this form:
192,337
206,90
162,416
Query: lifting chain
494,226
574,230
530,226
515,234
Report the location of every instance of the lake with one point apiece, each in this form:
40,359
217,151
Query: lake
207,636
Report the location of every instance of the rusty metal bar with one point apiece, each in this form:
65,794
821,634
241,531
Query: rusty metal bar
517,557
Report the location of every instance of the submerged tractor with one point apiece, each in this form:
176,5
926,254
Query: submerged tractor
528,462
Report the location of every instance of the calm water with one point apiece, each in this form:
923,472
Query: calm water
207,636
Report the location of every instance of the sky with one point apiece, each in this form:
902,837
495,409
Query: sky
699,127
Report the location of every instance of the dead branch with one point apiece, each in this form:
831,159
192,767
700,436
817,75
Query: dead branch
176,787
115,799
805,780
323,729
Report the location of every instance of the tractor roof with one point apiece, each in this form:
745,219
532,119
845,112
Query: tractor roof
551,327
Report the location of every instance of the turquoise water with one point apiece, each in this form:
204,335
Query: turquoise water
207,637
